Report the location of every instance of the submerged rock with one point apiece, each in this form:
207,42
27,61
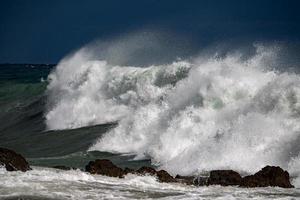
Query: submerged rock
268,176
104,167
224,178
162,175
188,180
201,180
13,161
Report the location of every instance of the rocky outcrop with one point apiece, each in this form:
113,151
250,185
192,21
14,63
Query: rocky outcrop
107,168
128,170
162,175
268,176
216,177
224,178
104,167
188,180
13,161
146,171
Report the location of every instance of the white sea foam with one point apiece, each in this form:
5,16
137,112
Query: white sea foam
187,116
45,183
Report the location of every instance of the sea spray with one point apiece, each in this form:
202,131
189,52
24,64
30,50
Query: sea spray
187,116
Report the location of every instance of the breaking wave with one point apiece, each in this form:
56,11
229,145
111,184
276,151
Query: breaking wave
188,116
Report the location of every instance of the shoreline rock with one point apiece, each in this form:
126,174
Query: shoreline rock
107,168
13,161
104,167
224,178
188,180
162,175
268,176
273,176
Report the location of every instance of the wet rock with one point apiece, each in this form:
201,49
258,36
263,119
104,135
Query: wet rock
268,176
104,167
188,180
201,180
224,178
162,175
128,170
146,170
13,161
165,177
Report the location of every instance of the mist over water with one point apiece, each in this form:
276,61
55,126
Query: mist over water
229,111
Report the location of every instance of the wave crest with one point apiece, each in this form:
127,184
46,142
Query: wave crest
187,116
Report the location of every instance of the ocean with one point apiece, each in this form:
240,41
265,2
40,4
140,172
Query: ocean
186,117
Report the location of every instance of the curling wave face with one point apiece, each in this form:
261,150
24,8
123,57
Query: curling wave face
188,116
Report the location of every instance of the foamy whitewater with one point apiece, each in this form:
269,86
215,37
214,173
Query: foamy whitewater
50,184
187,116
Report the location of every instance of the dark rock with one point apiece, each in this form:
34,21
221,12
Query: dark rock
201,180
188,180
128,170
146,170
162,175
268,176
13,161
104,167
165,177
224,178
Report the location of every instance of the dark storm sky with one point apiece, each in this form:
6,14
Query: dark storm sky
44,31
